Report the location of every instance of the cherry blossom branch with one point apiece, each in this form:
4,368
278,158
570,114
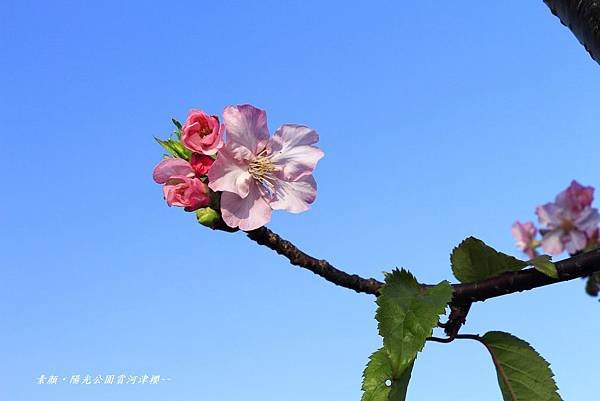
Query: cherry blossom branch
266,237
582,17
464,294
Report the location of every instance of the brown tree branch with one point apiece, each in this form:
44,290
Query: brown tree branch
582,17
464,294
323,268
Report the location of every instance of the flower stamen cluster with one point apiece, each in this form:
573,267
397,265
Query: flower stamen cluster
262,169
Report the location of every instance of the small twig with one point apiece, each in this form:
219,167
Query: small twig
457,318
449,339
475,337
441,340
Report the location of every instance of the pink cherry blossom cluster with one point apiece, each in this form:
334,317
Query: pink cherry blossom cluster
245,177
569,223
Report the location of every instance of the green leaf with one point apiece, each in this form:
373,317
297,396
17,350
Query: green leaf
544,265
400,384
523,375
407,314
379,382
175,148
376,376
473,260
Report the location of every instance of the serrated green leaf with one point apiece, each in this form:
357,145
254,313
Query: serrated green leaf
523,375
407,314
175,148
379,382
473,260
400,384
543,264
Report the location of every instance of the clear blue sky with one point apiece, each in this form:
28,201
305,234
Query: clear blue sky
439,120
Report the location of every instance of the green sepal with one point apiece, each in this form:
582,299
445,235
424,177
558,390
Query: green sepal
176,123
208,217
178,126
175,148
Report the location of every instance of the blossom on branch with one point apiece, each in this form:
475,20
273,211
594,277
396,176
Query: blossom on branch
570,221
257,174
202,133
525,234
181,186
240,182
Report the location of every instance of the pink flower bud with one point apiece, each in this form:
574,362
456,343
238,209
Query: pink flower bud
201,163
170,167
202,133
186,192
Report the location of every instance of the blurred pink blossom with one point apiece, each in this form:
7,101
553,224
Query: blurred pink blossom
525,233
576,197
570,221
258,174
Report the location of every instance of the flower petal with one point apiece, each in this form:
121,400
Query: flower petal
246,126
587,221
294,196
524,233
229,174
292,153
549,215
201,163
202,133
575,241
186,192
551,242
576,197
247,213
170,167
291,135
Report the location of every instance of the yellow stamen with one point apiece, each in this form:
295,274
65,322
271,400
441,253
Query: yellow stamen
262,169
